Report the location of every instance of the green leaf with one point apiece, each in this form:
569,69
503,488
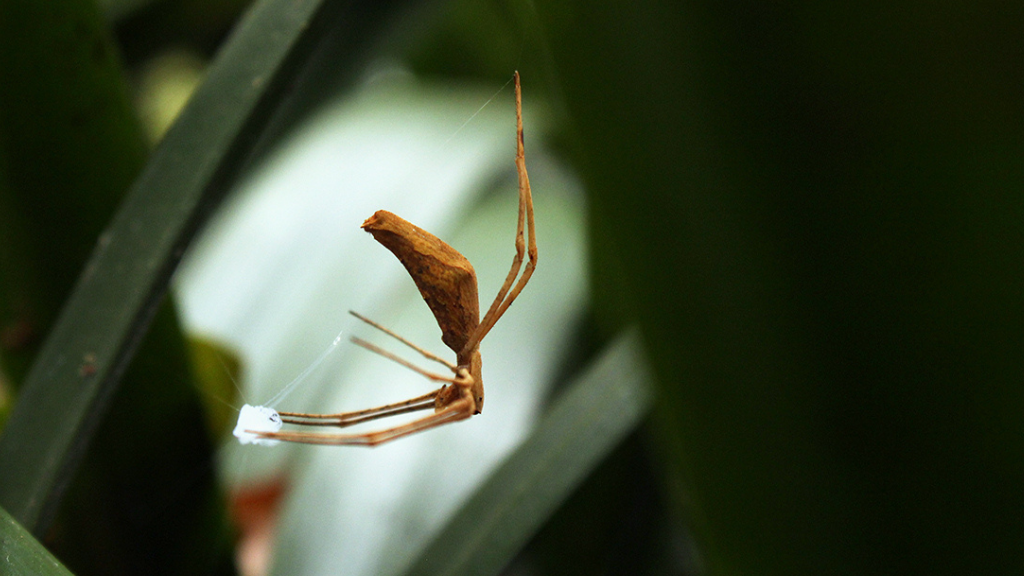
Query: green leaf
77,370
72,148
815,211
217,367
23,555
590,419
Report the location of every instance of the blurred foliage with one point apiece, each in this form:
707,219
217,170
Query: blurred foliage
473,40
164,85
146,28
22,554
815,212
617,522
218,371
146,497
71,146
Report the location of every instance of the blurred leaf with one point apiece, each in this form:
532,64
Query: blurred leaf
164,85
619,521
71,147
472,39
23,555
79,366
217,370
590,419
145,498
814,210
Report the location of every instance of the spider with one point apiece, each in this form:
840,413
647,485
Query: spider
447,282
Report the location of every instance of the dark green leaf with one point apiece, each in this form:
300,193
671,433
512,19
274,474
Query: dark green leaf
816,210
72,147
23,555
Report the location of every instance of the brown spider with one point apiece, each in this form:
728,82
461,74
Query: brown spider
447,282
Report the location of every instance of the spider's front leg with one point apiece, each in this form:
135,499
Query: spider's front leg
524,248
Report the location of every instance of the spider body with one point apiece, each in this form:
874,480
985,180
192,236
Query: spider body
446,281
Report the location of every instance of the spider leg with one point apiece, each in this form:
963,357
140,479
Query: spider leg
508,293
399,360
459,410
427,401
461,377
425,353
342,419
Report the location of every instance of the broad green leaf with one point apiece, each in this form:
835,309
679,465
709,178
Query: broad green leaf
592,416
22,555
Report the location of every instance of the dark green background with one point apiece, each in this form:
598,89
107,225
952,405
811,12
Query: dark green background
816,213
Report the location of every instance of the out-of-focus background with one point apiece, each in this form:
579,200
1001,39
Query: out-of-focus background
777,324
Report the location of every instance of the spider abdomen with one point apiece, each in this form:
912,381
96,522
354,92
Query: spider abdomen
445,277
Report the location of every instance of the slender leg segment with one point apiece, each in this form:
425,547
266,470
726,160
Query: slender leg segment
342,419
425,353
459,410
507,294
